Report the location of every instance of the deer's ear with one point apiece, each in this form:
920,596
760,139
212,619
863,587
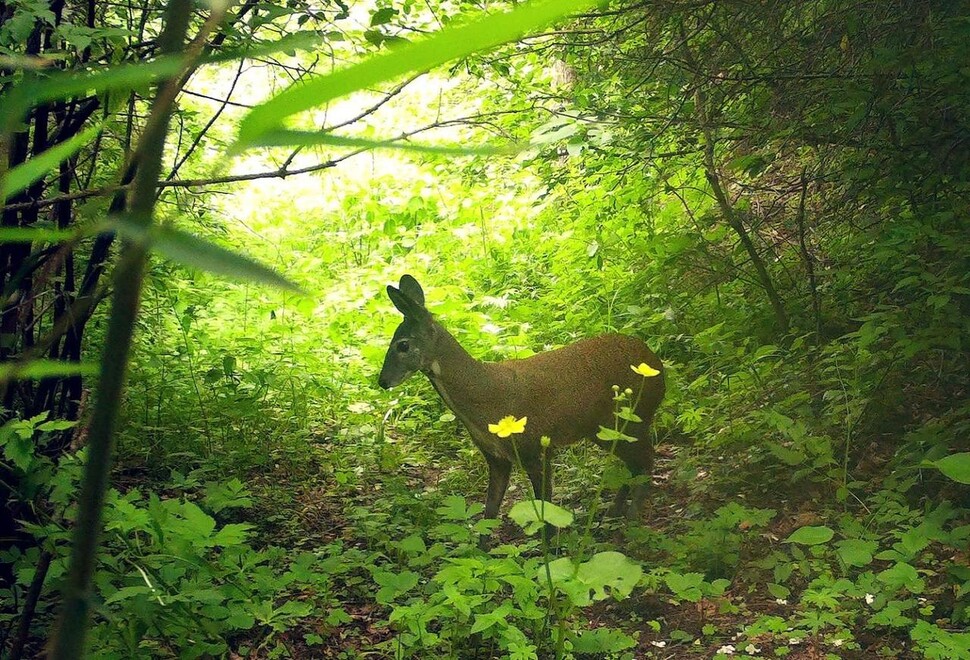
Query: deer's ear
410,287
407,306
401,301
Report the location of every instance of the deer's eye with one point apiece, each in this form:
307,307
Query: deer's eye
403,346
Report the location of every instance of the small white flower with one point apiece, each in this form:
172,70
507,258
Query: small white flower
659,645
870,599
795,641
838,642
727,649
751,649
781,601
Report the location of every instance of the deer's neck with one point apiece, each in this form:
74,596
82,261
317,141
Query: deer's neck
468,386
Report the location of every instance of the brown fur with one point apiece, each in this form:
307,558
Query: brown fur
566,394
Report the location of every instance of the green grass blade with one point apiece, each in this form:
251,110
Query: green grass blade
449,44
287,138
22,176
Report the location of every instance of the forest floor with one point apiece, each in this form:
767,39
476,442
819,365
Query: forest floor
315,513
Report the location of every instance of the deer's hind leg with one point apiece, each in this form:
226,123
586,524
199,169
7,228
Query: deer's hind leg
540,475
638,458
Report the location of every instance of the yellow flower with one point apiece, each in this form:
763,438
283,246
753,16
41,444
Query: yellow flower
507,426
645,370
545,441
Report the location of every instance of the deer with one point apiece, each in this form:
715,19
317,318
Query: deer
566,394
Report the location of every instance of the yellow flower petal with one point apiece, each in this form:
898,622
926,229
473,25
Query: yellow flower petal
645,370
508,426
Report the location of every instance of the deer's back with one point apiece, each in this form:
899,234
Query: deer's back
567,393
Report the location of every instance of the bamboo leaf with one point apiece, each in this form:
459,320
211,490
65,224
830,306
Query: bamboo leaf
45,369
189,250
449,44
287,138
38,234
22,176
40,89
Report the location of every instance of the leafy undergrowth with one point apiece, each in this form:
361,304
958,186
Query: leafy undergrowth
376,555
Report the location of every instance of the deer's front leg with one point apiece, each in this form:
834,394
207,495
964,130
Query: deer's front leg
499,471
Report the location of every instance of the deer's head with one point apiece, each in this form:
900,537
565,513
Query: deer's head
411,347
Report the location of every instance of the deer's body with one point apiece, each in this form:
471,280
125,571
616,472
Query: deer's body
566,394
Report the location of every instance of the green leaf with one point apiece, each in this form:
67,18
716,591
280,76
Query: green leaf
189,250
382,16
40,89
589,581
39,234
287,138
686,586
902,575
607,434
489,619
602,641
856,552
956,467
394,584
232,534
57,425
778,590
197,523
811,535
19,451
128,592
449,44
22,176
45,369
530,514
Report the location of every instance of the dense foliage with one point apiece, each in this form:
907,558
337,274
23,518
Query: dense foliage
773,195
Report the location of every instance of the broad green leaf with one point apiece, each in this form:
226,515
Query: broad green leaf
602,641
46,369
530,514
394,584
811,535
902,575
956,467
856,552
197,525
22,176
686,586
288,138
778,590
19,451
489,619
232,534
606,573
449,44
